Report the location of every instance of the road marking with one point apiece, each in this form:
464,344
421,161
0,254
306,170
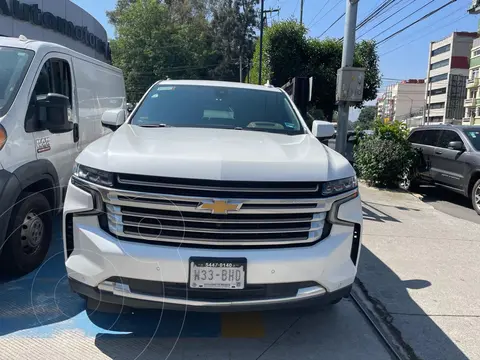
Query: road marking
242,325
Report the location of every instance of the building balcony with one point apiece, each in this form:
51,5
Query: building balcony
472,83
469,103
468,121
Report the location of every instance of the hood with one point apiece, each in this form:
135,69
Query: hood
215,154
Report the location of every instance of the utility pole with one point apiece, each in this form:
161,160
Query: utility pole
262,13
350,80
301,12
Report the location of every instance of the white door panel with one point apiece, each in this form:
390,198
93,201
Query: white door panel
60,149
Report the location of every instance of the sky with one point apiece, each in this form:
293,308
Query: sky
404,56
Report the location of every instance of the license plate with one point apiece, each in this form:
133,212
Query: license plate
217,273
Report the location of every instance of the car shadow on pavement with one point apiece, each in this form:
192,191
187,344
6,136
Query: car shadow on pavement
41,298
411,327
432,194
370,212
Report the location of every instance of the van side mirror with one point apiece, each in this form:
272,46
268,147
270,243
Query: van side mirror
114,118
323,129
53,112
129,107
456,145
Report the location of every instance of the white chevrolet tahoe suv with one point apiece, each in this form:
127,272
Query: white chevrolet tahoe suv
212,196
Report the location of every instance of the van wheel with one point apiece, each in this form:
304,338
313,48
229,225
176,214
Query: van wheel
475,195
29,234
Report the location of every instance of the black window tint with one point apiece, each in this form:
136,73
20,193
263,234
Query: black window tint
474,137
415,137
430,137
441,50
437,91
439,64
61,78
218,107
54,77
446,137
436,105
43,85
440,77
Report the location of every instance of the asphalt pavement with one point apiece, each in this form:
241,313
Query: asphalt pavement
419,267
448,202
40,318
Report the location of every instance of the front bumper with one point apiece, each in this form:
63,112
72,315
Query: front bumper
121,295
321,272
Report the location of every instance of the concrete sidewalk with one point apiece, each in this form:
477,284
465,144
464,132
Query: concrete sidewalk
420,268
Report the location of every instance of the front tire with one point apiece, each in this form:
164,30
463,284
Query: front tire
475,196
408,183
29,234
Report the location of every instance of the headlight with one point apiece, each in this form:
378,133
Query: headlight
339,186
95,176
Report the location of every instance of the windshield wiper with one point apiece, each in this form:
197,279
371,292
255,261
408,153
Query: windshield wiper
155,125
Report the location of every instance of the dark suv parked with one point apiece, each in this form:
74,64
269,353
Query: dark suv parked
451,157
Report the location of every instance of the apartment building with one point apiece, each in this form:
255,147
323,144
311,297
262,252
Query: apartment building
448,68
402,100
472,102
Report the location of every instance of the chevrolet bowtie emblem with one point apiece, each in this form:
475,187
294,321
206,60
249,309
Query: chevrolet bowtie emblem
220,206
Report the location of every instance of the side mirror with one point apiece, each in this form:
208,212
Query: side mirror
456,145
130,107
113,118
323,129
53,112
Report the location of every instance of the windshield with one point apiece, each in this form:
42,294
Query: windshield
474,137
218,107
14,64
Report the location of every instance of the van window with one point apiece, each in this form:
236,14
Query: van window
55,78
14,66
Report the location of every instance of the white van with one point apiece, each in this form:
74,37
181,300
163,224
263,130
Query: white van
52,100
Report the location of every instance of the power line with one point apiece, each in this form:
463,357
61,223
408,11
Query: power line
418,38
334,6
381,22
318,13
436,22
341,16
406,17
375,13
415,22
296,6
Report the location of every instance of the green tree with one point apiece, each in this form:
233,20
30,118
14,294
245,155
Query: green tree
288,52
153,43
366,118
233,30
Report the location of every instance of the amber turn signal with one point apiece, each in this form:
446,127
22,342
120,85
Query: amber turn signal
3,137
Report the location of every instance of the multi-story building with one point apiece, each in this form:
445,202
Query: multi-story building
472,102
448,67
402,100
380,103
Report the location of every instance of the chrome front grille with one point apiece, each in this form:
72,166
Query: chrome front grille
177,218
217,188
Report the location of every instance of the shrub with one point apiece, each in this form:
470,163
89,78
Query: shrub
384,157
